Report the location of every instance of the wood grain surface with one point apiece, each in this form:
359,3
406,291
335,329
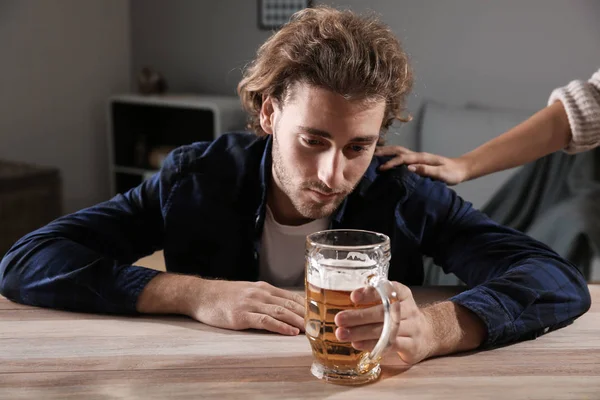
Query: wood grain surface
47,354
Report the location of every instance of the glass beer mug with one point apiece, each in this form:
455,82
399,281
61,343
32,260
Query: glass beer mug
338,262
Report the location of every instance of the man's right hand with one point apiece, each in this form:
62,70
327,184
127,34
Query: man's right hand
249,305
224,304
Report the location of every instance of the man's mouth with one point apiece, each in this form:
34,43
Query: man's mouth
324,196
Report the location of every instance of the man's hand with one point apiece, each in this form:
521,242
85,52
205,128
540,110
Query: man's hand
250,305
439,329
225,304
363,327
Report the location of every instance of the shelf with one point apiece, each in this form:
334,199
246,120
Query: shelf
181,100
139,124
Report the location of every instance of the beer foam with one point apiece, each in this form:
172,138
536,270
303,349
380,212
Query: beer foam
343,279
358,264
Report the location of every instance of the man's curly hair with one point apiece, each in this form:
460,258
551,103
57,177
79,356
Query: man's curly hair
355,56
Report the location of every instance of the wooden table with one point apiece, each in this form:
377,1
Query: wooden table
50,354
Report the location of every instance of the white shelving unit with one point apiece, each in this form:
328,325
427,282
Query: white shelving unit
138,124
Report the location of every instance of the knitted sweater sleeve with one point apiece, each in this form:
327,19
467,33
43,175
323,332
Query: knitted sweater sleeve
582,103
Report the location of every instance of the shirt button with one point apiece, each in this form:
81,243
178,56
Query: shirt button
546,329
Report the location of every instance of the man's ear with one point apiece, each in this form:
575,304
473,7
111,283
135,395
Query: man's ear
267,115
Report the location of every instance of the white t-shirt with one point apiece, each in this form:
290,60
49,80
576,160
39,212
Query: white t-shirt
282,250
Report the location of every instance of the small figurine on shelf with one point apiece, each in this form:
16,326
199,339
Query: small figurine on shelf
157,155
140,151
151,82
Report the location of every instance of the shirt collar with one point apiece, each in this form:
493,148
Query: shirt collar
265,176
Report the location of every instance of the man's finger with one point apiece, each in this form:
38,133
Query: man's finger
361,316
405,347
365,295
367,345
282,314
369,295
359,333
291,305
286,294
266,322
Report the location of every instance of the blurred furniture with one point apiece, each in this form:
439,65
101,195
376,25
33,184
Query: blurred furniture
144,129
50,354
555,200
30,197
451,130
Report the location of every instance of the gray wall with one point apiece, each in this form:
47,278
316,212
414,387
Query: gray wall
507,53
198,45
61,59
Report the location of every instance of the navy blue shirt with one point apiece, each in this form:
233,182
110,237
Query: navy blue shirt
206,210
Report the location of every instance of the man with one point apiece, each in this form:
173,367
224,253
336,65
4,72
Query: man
319,94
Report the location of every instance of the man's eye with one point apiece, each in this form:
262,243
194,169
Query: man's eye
357,148
311,142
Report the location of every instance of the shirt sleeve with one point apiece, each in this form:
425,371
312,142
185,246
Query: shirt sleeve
84,261
581,100
519,287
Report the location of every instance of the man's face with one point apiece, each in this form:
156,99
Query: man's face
322,146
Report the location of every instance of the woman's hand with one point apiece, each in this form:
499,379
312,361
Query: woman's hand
450,170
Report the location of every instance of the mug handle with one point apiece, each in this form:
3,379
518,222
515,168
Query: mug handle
391,321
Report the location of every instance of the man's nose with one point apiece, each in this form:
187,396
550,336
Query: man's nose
331,170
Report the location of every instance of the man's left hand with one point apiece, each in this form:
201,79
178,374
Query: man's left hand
415,340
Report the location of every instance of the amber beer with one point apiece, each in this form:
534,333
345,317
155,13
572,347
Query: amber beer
322,305
339,261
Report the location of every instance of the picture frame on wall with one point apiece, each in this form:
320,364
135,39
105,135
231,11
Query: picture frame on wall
273,14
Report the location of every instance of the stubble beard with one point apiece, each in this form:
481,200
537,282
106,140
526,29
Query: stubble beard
309,209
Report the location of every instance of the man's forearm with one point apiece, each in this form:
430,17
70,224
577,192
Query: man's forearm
171,294
454,328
